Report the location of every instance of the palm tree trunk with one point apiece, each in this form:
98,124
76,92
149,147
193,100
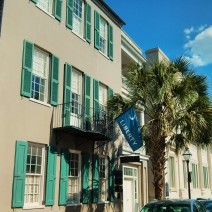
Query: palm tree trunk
158,160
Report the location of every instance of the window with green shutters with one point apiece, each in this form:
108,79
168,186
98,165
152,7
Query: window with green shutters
102,185
74,177
29,172
78,18
51,7
103,35
72,98
40,74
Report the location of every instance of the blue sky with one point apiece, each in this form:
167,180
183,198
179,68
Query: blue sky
177,27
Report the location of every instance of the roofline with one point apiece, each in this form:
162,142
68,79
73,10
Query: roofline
102,5
157,49
131,41
126,41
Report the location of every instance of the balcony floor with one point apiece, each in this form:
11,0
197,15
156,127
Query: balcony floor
92,135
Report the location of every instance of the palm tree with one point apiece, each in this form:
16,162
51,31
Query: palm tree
177,109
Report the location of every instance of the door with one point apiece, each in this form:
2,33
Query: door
130,189
128,195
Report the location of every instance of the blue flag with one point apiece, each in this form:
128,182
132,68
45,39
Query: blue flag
129,125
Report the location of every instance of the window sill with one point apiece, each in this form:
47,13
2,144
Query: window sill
78,35
72,204
29,207
103,202
104,55
39,102
45,11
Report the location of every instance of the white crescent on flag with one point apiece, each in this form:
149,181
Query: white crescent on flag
132,118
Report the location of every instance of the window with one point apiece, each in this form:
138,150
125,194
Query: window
28,178
51,7
205,177
102,101
40,75
76,92
171,172
103,179
34,175
195,176
78,22
39,72
103,36
74,177
78,18
76,102
46,5
1,12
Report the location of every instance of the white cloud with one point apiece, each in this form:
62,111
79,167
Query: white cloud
198,49
189,30
201,28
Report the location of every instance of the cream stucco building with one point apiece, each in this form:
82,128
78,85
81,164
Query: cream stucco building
60,61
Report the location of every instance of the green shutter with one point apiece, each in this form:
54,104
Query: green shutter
35,1
58,9
64,169
87,100
51,175
111,167
88,23
96,30
26,81
19,174
67,95
95,178
86,178
110,42
69,14
96,98
54,80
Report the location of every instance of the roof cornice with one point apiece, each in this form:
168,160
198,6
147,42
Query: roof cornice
106,9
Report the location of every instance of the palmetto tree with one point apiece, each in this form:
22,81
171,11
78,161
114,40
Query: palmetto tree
177,109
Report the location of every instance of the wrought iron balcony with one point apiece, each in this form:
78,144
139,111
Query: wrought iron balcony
92,123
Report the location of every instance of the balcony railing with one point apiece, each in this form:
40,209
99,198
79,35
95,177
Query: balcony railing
76,119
